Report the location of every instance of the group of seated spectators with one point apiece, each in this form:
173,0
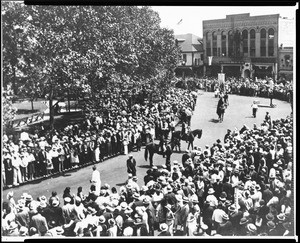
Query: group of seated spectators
120,130
241,185
282,90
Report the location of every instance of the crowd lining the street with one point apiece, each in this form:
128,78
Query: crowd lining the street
259,87
242,185
120,130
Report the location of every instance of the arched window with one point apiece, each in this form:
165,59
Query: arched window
245,42
271,42
252,43
223,43
230,43
263,46
208,44
214,39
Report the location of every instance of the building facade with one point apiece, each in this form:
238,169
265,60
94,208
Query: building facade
191,62
285,63
241,45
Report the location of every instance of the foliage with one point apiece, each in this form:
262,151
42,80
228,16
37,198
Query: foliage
83,50
8,110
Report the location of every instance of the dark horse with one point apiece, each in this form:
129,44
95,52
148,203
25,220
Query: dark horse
152,148
190,137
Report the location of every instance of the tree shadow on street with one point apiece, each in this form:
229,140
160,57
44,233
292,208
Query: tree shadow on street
144,166
214,120
121,184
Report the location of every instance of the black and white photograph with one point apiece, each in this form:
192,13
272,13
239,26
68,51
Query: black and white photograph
141,121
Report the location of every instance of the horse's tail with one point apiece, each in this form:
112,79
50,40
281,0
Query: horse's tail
146,153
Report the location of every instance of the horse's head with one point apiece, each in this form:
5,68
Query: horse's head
199,133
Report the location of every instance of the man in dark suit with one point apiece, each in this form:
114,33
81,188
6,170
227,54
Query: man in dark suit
131,165
42,162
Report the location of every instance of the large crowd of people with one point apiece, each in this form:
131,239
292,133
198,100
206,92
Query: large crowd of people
119,130
282,90
242,185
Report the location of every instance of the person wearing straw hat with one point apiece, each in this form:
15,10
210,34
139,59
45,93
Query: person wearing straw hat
213,201
225,227
164,230
102,227
96,179
251,230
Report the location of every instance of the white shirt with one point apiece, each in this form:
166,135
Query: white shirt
95,176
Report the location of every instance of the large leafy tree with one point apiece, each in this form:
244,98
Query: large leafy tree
84,50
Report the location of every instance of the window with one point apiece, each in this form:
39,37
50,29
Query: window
270,42
208,44
252,43
201,57
183,59
245,42
263,47
214,39
223,43
230,43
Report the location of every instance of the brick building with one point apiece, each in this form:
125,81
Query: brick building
241,45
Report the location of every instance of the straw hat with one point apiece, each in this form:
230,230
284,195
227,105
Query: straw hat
211,191
163,227
243,221
271,225
102,219
251,227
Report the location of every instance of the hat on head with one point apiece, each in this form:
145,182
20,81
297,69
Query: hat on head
123,205
251,227
136,195
271,225
281,216
243,221
163,227
270,217
129,186
102,219
211,191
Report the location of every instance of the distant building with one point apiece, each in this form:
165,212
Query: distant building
191,61
285,61
242,45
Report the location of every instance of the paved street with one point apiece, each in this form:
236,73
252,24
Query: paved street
113,171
